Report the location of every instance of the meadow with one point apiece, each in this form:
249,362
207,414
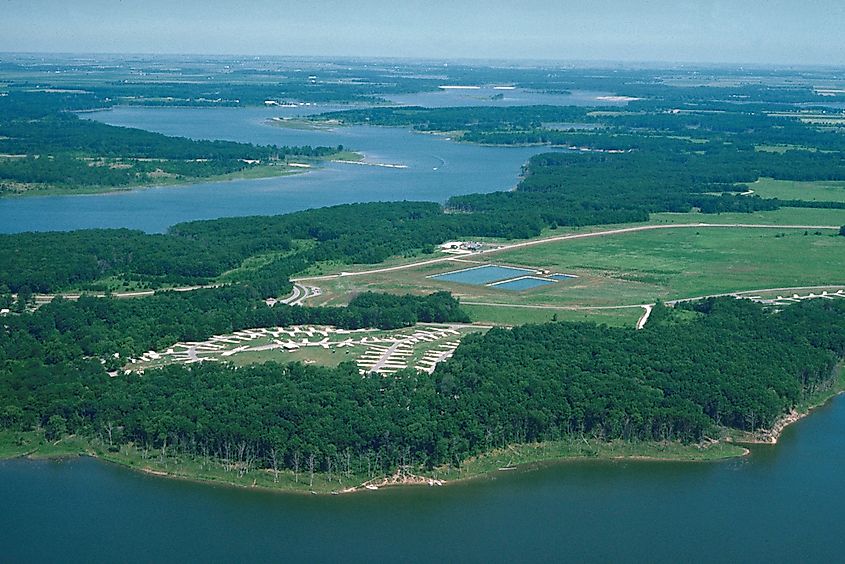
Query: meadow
632,268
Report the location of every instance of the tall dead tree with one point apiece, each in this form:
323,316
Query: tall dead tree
311,469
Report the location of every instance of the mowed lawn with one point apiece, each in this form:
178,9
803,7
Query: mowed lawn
678,263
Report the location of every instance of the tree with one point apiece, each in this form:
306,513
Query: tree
11,417
24,297
56,427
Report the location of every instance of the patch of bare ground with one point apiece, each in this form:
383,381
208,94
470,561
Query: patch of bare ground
400,478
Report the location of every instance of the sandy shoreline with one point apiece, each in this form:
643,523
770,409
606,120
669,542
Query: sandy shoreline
771,436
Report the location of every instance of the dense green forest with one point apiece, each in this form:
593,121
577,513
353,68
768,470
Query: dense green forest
196,252
733,365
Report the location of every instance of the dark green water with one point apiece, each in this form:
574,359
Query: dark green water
782,504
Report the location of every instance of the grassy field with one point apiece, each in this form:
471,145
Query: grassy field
783,216
810,191
670,264
631,268
496,315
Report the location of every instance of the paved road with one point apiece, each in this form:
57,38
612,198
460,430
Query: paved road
741,294
44,298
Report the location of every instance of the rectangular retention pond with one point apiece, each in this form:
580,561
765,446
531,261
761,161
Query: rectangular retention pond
479,275
525,283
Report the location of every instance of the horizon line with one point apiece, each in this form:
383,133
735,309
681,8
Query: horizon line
585,63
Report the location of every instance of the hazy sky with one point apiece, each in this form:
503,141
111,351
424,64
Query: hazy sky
733,31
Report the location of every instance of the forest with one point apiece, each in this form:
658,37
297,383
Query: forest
734,364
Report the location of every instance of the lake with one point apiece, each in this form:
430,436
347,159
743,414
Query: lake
781,504
436,168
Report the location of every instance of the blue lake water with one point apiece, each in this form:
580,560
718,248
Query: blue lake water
482,274
781,504
436,169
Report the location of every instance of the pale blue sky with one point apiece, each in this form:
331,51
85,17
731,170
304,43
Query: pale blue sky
736,31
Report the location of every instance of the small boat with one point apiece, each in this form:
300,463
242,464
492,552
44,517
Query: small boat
371,487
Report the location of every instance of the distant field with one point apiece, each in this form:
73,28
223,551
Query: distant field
671,264
783,216
822,191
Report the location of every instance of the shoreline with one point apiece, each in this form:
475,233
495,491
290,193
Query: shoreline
796,414
101,190
519,458
401,479
263,173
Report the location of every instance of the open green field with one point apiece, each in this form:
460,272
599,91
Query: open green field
498,315
821,191
783,216
631,268
671,264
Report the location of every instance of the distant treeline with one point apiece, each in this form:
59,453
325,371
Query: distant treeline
480,118
632,163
